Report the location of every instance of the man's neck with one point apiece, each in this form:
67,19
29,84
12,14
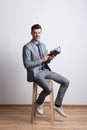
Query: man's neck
37,42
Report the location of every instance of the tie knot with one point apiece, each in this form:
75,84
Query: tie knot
38,44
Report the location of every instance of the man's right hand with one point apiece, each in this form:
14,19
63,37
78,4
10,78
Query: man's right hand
45,58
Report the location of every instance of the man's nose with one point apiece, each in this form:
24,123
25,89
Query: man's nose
37,35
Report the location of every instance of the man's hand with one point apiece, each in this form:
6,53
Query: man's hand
51,57
45,58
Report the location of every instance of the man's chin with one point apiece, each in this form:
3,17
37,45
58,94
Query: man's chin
37,39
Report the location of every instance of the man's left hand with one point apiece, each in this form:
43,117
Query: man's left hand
51,57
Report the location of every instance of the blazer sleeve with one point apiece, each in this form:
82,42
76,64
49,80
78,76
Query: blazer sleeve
28,60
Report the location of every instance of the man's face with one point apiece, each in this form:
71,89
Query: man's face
36,33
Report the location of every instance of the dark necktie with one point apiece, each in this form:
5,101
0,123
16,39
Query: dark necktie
39,49
40,54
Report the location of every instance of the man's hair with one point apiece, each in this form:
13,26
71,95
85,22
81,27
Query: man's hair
36,26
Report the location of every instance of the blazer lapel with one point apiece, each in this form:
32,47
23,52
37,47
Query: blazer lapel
35,51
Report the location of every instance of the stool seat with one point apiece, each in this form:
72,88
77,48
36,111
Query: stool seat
34,98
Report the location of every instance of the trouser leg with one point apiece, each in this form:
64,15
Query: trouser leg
60,95
47,89
64,83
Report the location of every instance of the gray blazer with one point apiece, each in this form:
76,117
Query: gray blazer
31,59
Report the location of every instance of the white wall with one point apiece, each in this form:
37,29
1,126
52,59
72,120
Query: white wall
64,23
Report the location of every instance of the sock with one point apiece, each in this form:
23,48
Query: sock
57,105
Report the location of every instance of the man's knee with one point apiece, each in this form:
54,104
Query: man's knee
49,90
67,82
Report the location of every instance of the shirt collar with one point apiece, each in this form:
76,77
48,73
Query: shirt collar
35,41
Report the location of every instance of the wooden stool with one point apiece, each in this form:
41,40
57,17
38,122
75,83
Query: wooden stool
34,98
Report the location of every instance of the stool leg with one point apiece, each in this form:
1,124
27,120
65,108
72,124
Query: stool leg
52,103
35,99
33,113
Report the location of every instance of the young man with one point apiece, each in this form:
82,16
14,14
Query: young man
36,61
